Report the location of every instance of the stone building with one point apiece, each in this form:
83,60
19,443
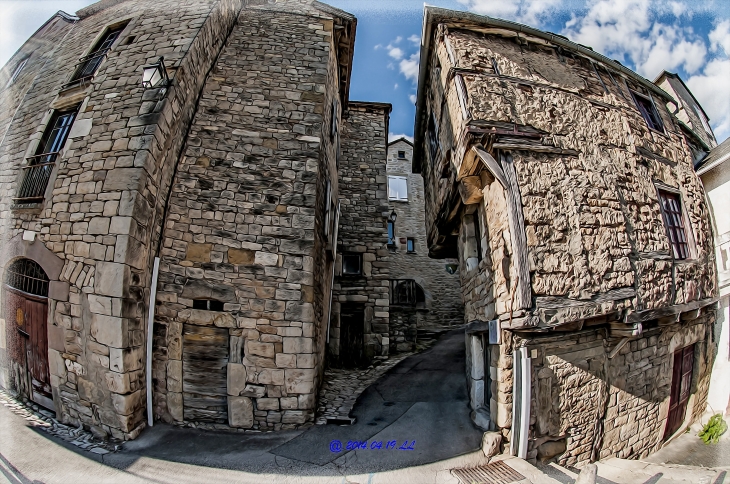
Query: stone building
564,184
360,324
425,293
213,195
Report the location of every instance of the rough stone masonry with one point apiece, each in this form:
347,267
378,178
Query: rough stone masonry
228,175
565,186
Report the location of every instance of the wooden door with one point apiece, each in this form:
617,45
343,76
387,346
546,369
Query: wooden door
680,390
205,360
26,317
352,329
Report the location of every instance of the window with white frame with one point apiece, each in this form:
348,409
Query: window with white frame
398,188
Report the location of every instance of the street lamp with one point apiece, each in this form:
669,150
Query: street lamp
155,75
393,216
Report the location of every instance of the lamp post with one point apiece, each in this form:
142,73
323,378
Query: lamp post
393,216
155,75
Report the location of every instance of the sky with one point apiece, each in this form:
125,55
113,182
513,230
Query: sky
691,38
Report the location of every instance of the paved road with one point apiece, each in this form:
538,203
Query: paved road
689,450
423,399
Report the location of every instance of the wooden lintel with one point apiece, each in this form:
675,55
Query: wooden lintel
534,147
650,314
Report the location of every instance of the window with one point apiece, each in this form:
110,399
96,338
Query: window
208,304
334,122
16,72
478,236
391,234
674,220
40,166
351,264
401,155
90,63
411,245
27,276
406,292
398,188
648,111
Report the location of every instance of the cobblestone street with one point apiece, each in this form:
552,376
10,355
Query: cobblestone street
342,387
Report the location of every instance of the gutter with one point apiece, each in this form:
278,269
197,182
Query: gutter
714,164
435,15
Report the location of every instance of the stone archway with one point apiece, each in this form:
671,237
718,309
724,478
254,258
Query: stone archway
27,246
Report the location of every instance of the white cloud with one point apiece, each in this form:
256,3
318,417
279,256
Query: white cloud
712,91
397,39
393,137
630,28
531,12
378,46
409,67
720,37
396,86
416,39
395,53
413,98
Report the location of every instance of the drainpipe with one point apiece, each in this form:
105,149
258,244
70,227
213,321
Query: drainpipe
150,321
521,396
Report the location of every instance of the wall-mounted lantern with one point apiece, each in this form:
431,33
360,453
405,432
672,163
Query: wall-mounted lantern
393,216
155,75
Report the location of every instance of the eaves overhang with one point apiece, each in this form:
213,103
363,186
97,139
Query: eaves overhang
345,26
433,16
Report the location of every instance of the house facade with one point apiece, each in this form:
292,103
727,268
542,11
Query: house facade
425,292
565,186
167,249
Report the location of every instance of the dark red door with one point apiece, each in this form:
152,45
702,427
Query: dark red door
27,331
681,383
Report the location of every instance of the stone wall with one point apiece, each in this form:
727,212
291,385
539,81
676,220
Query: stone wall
443,307
98,215
538,157
245,227
362,228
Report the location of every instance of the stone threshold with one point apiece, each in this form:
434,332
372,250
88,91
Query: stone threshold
43,419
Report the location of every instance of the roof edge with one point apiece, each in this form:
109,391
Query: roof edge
677,76
433,15
401,138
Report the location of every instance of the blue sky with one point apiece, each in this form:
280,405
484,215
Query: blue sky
690,38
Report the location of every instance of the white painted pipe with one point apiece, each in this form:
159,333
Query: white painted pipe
150,321
521,395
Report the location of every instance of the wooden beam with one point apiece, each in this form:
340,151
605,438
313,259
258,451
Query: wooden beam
554,302
523,293
470,189
491,165
650,314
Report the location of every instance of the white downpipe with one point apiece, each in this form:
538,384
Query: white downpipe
521,396
150,321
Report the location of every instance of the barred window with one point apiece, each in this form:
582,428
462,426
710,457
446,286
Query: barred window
27,276
90,63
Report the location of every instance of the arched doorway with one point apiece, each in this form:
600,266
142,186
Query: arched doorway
26,322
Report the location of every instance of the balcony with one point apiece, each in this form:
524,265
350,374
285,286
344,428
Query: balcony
35,178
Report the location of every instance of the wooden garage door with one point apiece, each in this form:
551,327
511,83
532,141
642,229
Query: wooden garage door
205,356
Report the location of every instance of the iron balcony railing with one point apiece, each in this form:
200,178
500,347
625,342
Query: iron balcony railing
36,176
86,68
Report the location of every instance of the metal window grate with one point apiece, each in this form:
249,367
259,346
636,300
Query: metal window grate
494,473
405,292
27,276
672,210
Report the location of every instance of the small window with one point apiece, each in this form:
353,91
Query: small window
411,245
351,264
648,111
90,63
16,72
391,234
334,122
208,304
401,155
674,221
433,138
398,188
